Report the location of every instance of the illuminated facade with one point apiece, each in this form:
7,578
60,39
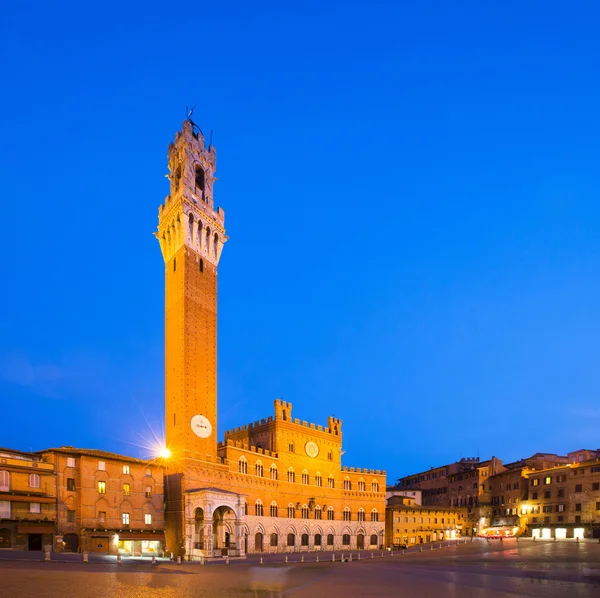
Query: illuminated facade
273,485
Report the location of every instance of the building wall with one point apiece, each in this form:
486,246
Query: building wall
90,520
22,495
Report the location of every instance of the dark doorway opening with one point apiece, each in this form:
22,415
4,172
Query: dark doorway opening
34,542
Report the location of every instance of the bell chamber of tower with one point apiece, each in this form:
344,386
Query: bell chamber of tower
191,234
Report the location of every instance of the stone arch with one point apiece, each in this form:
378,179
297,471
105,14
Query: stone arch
70,542
224,521
199,235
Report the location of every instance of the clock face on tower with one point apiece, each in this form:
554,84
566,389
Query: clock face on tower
311,448
201,426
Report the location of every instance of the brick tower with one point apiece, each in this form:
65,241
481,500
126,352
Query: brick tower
191,234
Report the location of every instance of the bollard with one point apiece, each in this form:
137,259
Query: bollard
261,560
577,540
431,547
358,557
179,560
372,555
403,552
118,559
302,559
227,560
46,555
317,559
440,545
534,538
286,558
154,559
342,559
333,557
382,554
392,553
201,559
420,549
350,558
85,557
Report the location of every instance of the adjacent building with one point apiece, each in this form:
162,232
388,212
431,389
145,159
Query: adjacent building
28,500
106,502
409,523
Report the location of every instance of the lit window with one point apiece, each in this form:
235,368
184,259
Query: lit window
147,518
34,480
547,480
148,491
126,489
71,484
101,465
70,516
126,469
125,518
70,461
35,507
101,487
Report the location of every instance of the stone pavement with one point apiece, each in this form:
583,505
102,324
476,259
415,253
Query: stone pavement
473,570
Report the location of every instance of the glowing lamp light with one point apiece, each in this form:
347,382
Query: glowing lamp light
164,452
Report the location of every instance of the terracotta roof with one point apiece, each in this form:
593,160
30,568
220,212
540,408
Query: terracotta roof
69,450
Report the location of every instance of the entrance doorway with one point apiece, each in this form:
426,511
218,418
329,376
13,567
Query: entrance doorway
71,542
360,542
34,542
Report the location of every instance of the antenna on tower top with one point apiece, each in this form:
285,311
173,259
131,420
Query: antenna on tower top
210,143
190,112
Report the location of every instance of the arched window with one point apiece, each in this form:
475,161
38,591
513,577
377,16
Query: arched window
373,541
174,264
317,539
330,481
347,514
259,469
259,510
361,514
346,540
291,511
347,484
330,514
291,475
216,247
199,235
200,181
245,508
207,241
305,477
374,515
34,480
4,481
191,228
273,470
329,539
361,485
273,509
177,177
304,540
318,480
274,539
243,465
304,512
291,539
201,265
375,486
318,513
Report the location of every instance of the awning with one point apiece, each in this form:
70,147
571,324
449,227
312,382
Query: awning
159,536
24,528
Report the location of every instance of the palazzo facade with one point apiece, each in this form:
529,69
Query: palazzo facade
276,484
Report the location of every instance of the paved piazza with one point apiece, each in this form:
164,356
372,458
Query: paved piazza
472,570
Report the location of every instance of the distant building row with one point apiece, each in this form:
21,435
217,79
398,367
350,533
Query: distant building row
545,495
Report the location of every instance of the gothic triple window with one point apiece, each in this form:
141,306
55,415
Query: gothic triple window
259,509
259,469
304,512
273,509
291,511
347,514
243,465
273,471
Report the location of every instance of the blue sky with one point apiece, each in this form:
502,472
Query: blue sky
411,193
